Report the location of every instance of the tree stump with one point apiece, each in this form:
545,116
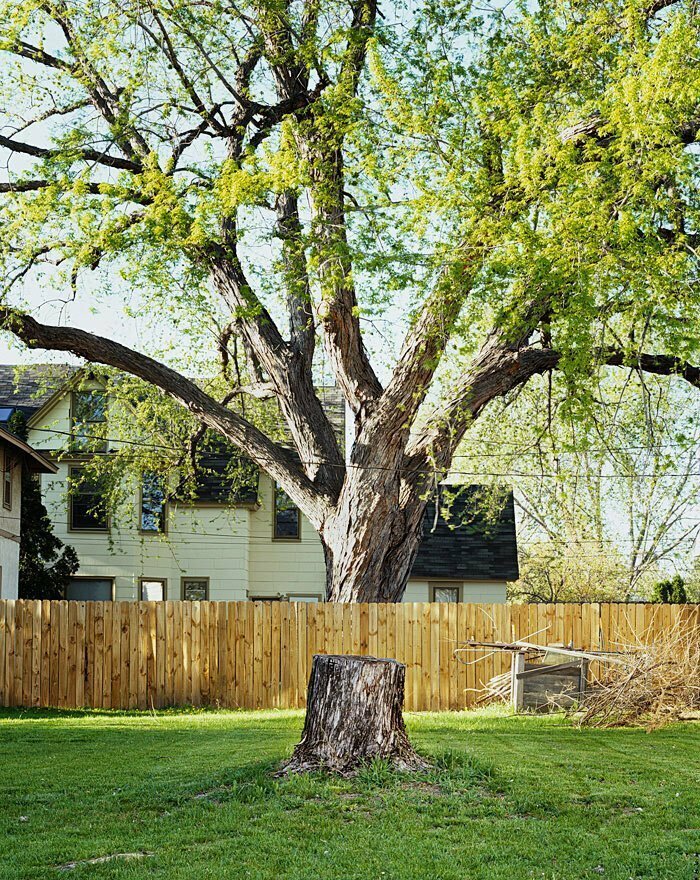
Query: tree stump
353,716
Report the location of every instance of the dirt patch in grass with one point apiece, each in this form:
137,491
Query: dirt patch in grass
99,860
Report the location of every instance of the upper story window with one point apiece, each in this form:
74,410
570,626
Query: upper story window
89,421
287,525
7,479
87,507
153,511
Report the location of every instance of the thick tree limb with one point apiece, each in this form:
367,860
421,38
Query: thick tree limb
659,364
20,186
301,318
85,153
590,130
274,459
421,352
26,50
499,368
658,5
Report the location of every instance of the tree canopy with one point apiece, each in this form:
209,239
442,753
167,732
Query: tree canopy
473,197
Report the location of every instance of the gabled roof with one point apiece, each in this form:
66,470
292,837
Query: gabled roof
29,388
468,547
36,462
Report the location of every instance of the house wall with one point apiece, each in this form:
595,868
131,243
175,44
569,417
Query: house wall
209,542
10,528
234,548
472,591
283,567
9,568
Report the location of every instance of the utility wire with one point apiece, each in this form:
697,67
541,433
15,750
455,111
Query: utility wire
412,471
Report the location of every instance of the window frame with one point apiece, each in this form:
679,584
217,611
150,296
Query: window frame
87,447
194,578
164,524
275,537
160,580
7,465
446,585
99,530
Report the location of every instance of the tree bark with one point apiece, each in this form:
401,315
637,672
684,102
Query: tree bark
353,716
370,542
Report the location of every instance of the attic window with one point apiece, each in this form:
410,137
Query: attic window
287,525
89,420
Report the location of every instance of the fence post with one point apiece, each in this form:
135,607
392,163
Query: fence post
517,685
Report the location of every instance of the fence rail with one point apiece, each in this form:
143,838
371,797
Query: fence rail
125,655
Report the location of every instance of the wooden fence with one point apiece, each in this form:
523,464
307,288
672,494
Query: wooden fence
125,655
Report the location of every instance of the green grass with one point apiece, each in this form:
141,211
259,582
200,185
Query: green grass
510,798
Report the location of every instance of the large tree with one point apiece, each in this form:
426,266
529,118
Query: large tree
516,189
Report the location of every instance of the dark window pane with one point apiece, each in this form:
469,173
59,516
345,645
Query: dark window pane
90,589
89,420
195,589
7,480
87,504
287,516
152,503
446,594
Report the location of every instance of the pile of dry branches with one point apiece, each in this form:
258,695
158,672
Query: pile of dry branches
658,682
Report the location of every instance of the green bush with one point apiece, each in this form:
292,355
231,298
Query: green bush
671,591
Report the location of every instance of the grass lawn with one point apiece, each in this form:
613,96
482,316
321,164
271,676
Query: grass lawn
511,798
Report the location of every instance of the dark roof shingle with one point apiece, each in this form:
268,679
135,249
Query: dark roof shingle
468,547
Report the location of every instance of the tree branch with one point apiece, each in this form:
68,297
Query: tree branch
590,130
85,153
20,186
26,50
274,459
659,364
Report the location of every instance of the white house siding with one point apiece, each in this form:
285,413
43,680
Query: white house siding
233,548
283,567
472,591
9,531
9,568
201,542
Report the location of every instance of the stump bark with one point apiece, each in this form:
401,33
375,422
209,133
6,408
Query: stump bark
353,716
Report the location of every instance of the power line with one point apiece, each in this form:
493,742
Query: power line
408,471
476,455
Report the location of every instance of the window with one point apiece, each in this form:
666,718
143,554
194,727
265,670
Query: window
445,592
305,598
89,421
88,510
87,589
195,589
152,589
287,517
7,479
152,504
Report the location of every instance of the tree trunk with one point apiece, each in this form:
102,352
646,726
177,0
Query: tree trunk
371,538
353,716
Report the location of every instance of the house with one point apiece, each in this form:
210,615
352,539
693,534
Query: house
18,461
252,544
